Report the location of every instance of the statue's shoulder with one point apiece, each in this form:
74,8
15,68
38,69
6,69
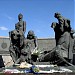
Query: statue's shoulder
13,31
17,23
24,22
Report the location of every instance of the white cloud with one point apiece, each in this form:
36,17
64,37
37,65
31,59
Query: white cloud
9,17
3,28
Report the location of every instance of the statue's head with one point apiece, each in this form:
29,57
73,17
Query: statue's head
30,34
57,15
20,16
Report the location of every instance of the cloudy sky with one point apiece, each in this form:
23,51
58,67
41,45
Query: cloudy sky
38,14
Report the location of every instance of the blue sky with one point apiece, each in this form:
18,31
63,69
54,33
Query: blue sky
38,14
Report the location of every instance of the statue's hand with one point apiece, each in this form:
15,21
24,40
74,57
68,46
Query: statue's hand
35,51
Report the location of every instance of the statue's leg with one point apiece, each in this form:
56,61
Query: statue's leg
26,58
50,56
22,58
12,54
62,59
18,54
55,56
18,61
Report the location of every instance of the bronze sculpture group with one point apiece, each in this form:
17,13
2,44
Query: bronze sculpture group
21,47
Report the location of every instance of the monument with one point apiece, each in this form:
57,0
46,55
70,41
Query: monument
62,54
30,56
22,50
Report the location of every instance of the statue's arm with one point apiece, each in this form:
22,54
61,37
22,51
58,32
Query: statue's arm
9,34
35,41
15,26
24,26
61,23
10,37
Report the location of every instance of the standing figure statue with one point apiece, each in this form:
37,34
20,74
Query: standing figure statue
66,36
21,24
